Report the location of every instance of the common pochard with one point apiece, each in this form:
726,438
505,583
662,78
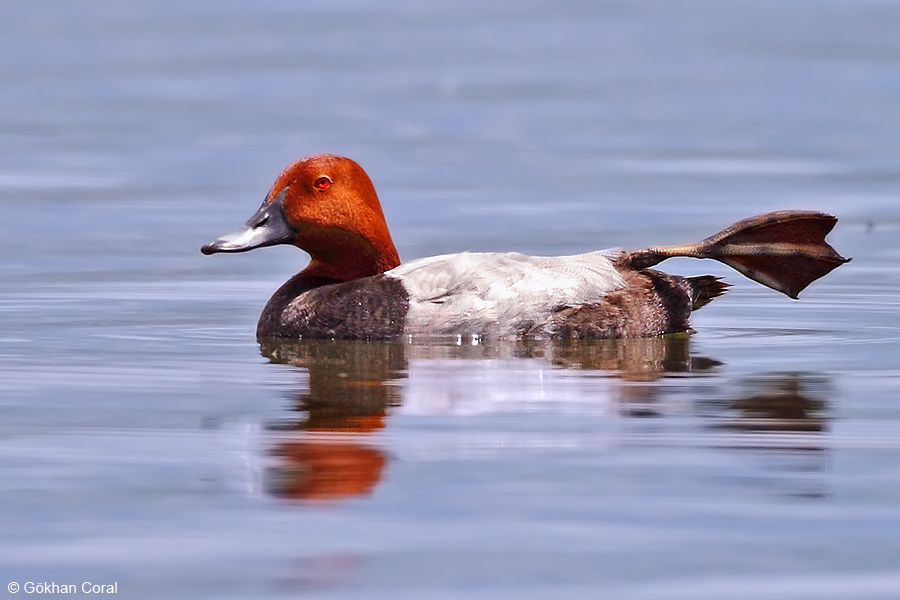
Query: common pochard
355,287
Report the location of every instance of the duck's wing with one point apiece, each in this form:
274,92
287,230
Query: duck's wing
499,294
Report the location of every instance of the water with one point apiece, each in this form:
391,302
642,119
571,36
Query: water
146,440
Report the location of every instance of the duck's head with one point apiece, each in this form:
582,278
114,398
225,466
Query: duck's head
327,206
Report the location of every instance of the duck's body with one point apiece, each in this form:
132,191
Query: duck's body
501,296
355,288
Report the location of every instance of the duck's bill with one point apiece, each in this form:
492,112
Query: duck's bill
267,227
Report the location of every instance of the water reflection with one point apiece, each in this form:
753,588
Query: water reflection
786,413
349,388
792,402
349,393
328,448
324,470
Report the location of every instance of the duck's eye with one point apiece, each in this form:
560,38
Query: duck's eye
322,183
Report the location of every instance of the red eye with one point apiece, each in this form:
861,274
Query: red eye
322,183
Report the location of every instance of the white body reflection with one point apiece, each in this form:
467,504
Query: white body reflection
478,386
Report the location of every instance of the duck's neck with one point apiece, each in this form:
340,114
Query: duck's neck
344,256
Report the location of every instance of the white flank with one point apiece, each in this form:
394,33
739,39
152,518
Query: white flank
499,294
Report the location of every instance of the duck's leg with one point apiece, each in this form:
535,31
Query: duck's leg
784,250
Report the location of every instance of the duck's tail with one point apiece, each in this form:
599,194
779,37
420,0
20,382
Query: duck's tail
784,250
704,288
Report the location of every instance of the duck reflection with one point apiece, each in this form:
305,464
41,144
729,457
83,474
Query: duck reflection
611,375
787,415
330,448
349,382
348,396
789,402
320,470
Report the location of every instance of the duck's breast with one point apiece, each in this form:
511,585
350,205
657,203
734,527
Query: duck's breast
500,294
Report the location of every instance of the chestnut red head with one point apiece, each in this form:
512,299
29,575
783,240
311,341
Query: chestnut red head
327,206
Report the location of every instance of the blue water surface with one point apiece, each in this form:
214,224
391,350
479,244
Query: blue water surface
147,440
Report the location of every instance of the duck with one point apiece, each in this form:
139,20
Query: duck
355,287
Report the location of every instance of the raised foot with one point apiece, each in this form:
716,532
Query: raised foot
783,250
